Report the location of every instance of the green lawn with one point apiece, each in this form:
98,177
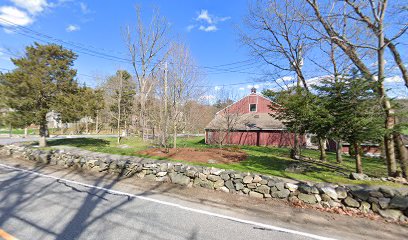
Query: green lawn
106,145
265,160
18,131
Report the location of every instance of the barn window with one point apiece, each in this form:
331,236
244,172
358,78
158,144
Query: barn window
252,107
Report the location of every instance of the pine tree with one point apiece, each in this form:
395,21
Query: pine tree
295,111
357,116
42,81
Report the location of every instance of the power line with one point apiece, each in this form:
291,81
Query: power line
75,45
81,74
85,50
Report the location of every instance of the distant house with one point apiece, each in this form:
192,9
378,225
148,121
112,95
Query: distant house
248,122
369,149
53,119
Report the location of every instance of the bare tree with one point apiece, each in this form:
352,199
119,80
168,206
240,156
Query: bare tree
119,93
147,47
183,84
197,115
227,119
278,36
376,26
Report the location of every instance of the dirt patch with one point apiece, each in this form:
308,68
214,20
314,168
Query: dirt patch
210,155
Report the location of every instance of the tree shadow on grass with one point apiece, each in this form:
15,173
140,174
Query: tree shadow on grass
79,142
277,167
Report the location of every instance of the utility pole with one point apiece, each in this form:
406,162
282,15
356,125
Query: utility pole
119,103
299,63
166,115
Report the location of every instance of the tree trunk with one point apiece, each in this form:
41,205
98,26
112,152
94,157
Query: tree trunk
389,112
43,135
142,116
25,132
119,105
175,135
322,143
339,148
389,147
118,127
86,126
295,152
351,52
402,154
359,166
398,60
97,122
166,110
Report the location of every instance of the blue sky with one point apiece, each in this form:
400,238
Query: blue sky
99,23
208,27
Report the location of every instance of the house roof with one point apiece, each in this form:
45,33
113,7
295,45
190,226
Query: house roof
246,122
249,95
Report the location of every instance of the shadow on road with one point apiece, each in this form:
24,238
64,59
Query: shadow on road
93,208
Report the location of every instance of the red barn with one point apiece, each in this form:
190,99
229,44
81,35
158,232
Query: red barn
248,122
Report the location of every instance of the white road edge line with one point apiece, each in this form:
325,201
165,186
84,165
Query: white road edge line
286,230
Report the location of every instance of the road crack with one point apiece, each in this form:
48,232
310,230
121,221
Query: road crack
78,190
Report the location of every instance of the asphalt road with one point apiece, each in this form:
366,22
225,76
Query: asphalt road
4,139
35,206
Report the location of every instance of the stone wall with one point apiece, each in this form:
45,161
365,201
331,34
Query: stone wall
388,202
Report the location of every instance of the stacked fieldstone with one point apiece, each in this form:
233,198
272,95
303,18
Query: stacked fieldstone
388,202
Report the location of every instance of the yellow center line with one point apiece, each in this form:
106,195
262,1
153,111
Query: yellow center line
4,235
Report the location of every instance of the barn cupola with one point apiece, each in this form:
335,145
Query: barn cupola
253,90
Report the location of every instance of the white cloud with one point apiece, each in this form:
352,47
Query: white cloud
222,19
190,27
394,79
3,56
255,86
203,15
209,21
11,16
72,28
211,28
217,88
32,6
374,64
23,13
284,79
207,97
8,31
84,8
241,88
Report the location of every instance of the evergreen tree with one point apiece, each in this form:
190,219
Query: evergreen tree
42,81
357,116
295,110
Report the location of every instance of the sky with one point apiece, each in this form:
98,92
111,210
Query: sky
208,27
